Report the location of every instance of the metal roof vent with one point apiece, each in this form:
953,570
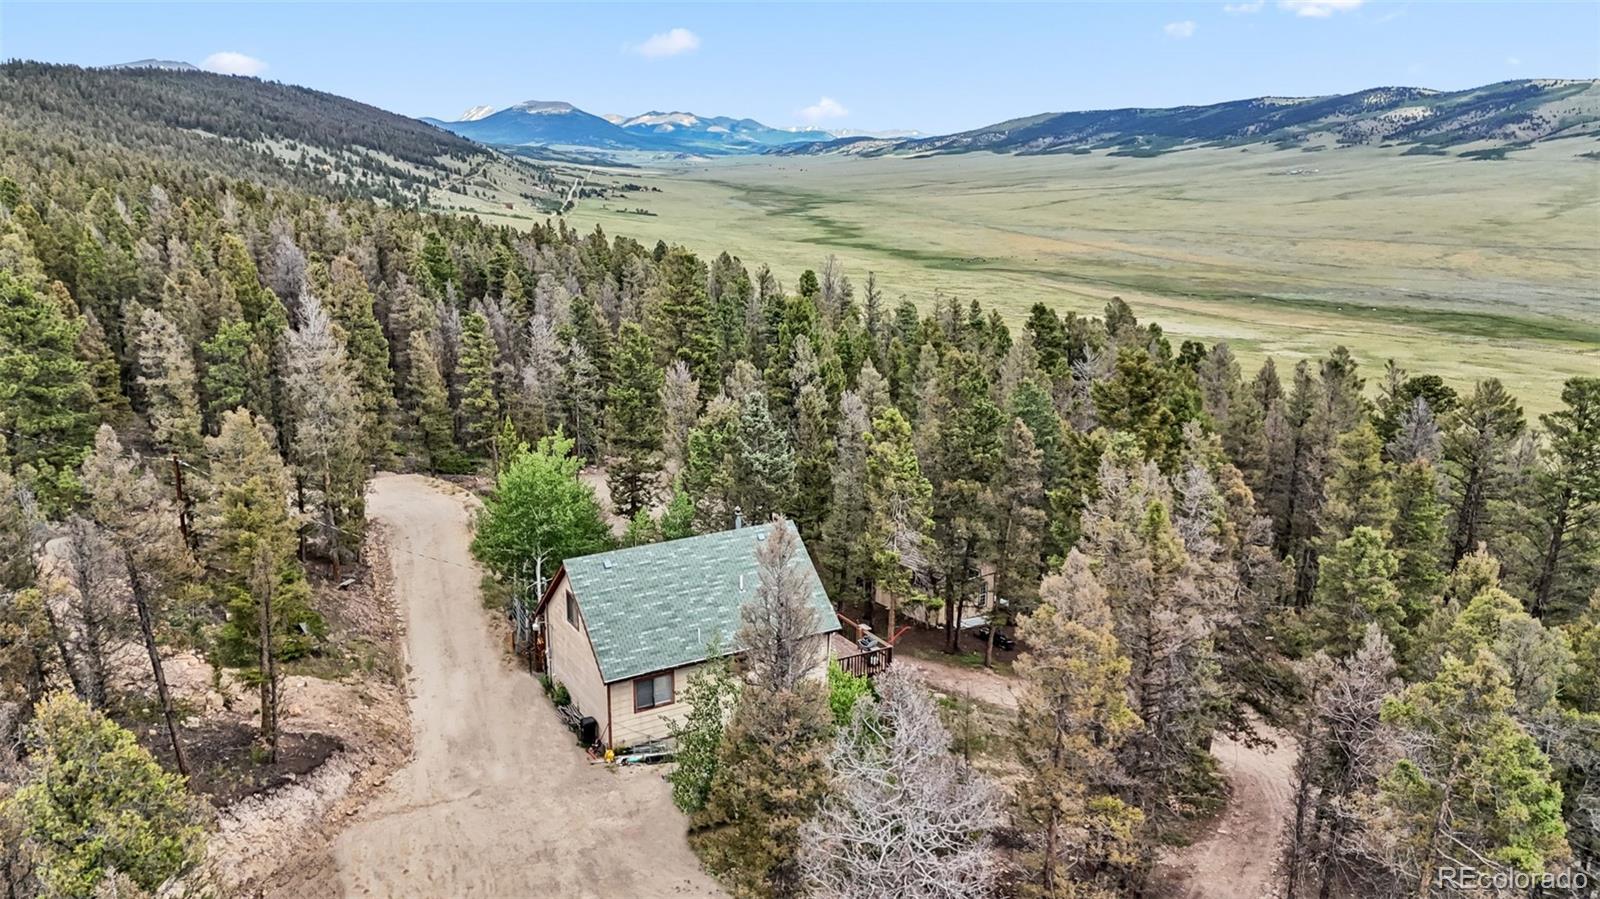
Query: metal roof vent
606,564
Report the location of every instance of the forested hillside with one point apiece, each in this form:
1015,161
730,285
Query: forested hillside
1406,583
1510,113
271,133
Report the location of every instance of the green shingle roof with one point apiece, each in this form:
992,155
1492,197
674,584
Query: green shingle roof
658,606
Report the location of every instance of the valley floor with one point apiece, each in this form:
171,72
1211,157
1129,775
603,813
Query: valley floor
1453,266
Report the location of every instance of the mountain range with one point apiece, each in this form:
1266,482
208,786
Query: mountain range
1509,113
1499,117
555,124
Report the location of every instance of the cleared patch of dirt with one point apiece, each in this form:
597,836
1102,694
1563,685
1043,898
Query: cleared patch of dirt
224,762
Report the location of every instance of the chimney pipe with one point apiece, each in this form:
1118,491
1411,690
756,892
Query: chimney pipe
738,517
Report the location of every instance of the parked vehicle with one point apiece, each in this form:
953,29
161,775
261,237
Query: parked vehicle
1001,641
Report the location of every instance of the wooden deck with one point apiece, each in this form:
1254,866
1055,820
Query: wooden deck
856,659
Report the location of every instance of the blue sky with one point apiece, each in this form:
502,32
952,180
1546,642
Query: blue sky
937,68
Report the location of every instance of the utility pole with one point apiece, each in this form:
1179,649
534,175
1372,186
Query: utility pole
538,580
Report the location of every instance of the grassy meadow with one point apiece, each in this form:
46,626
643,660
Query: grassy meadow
1461,267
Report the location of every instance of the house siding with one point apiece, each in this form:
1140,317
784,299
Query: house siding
630,728
571,659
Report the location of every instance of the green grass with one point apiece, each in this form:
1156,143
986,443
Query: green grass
1445,265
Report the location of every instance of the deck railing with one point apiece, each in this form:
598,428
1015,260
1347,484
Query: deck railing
868,662
873,658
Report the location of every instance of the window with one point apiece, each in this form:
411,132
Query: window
572,609
651,692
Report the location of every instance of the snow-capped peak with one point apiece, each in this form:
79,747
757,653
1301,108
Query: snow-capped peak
476,113
545,107
686,119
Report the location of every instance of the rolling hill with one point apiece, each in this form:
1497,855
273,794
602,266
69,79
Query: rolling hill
1508,113
240,127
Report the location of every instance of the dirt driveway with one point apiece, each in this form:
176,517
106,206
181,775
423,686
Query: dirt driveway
1237,856
496,800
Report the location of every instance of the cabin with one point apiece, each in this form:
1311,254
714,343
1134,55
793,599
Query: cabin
623,631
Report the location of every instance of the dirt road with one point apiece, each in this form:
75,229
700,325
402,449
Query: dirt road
1238,857
496,800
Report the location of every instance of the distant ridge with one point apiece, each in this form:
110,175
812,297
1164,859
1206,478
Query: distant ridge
546,123
1503,114
171,65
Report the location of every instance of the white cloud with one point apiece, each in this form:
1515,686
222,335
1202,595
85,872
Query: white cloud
1318,9
230,63
1513,61
668,43
1179,30
825,108
1239,9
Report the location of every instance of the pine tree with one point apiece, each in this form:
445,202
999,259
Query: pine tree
685,328
351,305
842,561
773,771
47,405
584,388
680,406
1416,435
760,463
1471,784
814,459
1019,528
167,377
706,480
252,534
1537,660
143,524
327,444
1344,748
1566,507
965,458
1149,401
95,804
226,382
94,349
1155,589
896,541
268,322
538,405
1356,493
1477,449
1355,588
895,775
634,420
1072,720
428,405
1417,536
479,407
